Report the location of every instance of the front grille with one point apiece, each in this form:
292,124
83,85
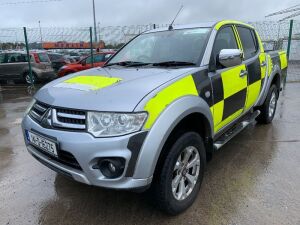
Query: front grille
38,111
52,117
64,157
69,119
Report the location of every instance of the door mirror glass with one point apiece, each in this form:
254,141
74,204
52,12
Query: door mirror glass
230,57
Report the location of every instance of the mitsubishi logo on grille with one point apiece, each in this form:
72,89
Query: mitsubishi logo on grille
46,121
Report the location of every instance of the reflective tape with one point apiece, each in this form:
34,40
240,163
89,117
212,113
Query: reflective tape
88,83
165,97
283,59
270,65
225,22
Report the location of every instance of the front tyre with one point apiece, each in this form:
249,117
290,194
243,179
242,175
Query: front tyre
177,184
268,109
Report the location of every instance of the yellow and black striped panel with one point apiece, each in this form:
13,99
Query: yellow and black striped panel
256,75
270,65
156,105
226,93
230,93
283,59
280,59
203,85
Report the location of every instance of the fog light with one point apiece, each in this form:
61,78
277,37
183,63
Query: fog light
112,167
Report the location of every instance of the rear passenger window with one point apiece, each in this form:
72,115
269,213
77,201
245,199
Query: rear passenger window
249,41
43,57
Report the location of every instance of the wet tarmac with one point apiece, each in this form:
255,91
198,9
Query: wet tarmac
254,179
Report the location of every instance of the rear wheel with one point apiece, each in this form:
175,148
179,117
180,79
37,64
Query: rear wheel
178,182
268,109
28,79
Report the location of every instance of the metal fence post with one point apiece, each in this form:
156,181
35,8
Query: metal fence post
290,39
28,55
91,41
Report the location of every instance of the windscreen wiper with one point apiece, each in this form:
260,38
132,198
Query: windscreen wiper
174,63
127,64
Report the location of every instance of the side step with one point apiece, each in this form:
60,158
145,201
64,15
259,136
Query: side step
235,130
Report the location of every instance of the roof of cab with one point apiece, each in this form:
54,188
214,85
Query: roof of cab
216,24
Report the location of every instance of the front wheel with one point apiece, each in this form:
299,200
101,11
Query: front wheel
177,184
268,109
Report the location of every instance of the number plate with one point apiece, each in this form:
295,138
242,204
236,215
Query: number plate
42,143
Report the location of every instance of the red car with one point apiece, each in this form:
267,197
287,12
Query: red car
84,64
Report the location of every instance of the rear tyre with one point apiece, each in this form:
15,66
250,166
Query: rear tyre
268,109
28,80
176,185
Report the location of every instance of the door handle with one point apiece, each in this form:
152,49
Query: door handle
263,64
243,73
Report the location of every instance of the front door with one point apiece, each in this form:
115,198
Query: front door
229,84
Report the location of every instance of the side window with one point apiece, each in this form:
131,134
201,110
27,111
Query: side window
43,57
98,58
13,58
2,58
225,40
22,58
106,57
88,60
249,41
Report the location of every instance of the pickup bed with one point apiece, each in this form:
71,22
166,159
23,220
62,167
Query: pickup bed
158,109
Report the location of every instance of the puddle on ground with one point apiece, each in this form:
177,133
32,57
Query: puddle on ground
3,131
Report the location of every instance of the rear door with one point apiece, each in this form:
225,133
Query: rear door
229,84
3,65
13,66
255,61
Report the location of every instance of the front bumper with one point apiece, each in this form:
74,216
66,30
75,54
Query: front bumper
87,150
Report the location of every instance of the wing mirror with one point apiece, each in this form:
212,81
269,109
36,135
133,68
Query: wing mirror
230,57
83,63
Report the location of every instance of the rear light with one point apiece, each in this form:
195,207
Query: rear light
36,58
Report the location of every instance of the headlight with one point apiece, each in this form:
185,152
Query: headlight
102,124
29,107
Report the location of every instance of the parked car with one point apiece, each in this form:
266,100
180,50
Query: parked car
14,66
84,64
58,60
157,110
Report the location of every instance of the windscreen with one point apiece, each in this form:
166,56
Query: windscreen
183,45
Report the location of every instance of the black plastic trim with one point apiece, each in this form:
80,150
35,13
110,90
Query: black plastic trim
134,145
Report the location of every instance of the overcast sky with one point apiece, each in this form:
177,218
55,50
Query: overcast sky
71,13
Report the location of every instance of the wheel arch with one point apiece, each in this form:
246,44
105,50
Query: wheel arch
196,122
275,78
277,81
186,113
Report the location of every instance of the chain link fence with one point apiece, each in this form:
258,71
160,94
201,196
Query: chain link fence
274,34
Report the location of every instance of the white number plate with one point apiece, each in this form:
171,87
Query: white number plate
42,143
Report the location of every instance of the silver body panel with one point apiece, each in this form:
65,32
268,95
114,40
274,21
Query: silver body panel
116,97
86,149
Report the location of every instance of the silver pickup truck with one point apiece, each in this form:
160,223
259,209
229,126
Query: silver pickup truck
158,109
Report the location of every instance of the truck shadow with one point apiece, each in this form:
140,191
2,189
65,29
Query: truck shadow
231,176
